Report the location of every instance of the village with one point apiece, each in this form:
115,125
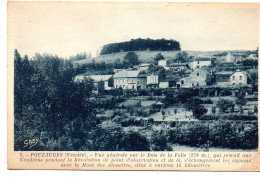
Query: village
178,94
232,72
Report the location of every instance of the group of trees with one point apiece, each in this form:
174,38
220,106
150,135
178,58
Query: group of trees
47,101
50,106
141,45
80,56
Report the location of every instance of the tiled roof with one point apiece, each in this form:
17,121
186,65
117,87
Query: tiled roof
224,73
127,74
177,64
203,59
96,78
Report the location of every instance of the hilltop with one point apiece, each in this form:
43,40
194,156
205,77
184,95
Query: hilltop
141,45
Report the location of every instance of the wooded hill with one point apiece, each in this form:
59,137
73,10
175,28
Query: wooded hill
141,45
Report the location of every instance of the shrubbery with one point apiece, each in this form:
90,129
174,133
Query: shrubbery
223,134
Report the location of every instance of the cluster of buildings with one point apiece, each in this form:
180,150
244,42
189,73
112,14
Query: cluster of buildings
197,74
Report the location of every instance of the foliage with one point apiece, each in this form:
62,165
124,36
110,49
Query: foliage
159,142
130,59
158,57
223,134
224,105
46,99
181,58
79,56
141,45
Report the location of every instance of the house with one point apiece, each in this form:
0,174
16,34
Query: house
200,62
153,80
100,82
199,77
177,66
169,82
223,78
163,63
144,67
118,70
238,78
130,79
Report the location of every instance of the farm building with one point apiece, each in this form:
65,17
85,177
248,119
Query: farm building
101,82
223,78
163,63
153,80
130,79
144,67
177,66
201,62
198,77
169,83
238,78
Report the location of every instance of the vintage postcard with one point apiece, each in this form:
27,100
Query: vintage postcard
133,86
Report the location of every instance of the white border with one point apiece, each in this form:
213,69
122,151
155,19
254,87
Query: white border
64,174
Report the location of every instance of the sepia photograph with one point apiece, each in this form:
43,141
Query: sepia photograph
138,77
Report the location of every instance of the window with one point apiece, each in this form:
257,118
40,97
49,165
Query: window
198,74
198,62
133,87
116,86
138,82
182,82
192,84
198,84
240,77
133,81
233,77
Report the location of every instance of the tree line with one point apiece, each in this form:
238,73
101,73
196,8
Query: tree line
141,45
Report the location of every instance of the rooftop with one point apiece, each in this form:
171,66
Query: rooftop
203,59
96,78
127,74
224,73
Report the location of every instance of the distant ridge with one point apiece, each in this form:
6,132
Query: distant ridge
141,45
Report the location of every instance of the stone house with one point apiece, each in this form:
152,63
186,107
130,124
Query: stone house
198,77
238,78
130,79
200,62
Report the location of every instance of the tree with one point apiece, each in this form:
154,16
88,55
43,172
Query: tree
253,78
130,59
213,110
157,58
181,57
224,105
241,101
118,64
135,142
199,110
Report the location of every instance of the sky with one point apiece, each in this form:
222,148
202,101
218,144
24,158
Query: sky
67,28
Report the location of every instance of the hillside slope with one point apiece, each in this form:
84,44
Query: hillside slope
144,56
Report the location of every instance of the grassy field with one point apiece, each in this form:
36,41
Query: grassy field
144,56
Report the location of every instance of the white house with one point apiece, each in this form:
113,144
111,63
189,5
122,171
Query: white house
144,67
163,63
153,80
198,77
129,79
238,78
201,62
